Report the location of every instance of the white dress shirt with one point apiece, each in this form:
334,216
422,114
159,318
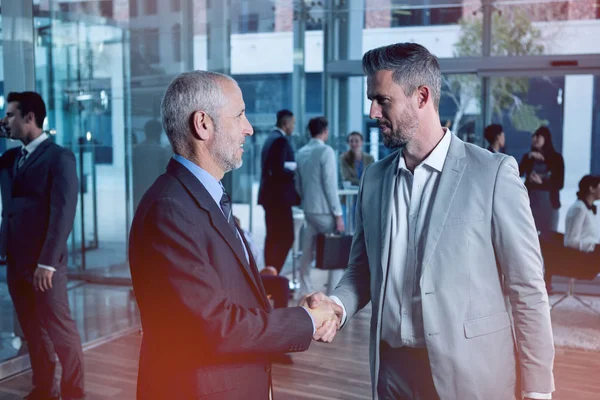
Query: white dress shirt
414,192
30,148
581,227
410,212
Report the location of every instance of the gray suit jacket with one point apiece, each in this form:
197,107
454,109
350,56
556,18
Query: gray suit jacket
316,179
485,308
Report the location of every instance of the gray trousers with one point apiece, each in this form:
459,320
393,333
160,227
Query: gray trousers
405,374
315,224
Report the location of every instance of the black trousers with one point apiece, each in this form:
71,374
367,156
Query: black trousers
280,234
405,374
50,331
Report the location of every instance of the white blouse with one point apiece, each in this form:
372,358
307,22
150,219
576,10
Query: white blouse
581,230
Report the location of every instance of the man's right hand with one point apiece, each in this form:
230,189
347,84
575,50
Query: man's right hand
339,223
326,313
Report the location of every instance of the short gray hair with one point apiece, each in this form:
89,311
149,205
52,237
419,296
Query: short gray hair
186,94
412,65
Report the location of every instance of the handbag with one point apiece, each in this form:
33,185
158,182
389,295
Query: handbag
333,250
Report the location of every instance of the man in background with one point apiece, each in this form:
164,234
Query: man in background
494,134
317,184
39,198
277,194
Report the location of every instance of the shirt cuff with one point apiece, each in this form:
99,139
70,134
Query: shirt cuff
49,268
535,395
339,303
311,320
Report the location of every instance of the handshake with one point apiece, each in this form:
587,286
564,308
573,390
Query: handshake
326,314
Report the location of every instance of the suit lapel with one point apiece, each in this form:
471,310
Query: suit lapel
452,173
387,197
217,220
33,157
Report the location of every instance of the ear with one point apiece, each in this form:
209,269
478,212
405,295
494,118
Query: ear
202,125
29,117
423,96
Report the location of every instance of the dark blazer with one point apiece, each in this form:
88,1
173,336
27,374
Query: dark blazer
209,329
276,182
38,207
556,167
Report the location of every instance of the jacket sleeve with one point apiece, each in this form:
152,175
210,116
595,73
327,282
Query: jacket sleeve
63,204
557,173
180,262
280,151
329,180
517,249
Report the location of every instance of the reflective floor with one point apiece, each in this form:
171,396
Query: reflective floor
99,311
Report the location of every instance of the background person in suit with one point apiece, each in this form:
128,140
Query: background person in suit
544,171
317,184
443,232
149,160
39,199
494,134
209,330
276,193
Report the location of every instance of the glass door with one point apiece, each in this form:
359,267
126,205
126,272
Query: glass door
80,70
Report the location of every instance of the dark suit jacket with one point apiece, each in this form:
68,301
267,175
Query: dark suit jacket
276,182
556,167
208,327
38,207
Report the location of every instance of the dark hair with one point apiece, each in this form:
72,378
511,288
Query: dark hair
548,148
585,184
29,102
355,133
153,129
317,125
412,65
491,132
282,116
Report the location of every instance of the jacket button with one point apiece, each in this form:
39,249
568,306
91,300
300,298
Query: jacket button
267,367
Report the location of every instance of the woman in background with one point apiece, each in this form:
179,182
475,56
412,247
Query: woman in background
354,161
581,230
544,170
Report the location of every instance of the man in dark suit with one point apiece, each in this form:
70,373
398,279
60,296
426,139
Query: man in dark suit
277,194
209,330
39,197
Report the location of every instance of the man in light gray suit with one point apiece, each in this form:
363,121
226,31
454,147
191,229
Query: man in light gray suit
317,183
446,250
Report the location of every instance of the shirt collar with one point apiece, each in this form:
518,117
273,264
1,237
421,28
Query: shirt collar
30,148
437,157
278,129
207,180
317,141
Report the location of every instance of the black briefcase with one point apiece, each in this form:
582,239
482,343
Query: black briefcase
333,250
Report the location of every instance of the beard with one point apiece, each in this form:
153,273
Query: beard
403,133
224,152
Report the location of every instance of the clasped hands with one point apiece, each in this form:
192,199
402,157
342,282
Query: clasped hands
326,314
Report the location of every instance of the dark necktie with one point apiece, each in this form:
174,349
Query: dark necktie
22,158
226,207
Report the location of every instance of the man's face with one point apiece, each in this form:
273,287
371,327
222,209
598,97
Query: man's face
290,124
16,125
395,113
231,129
